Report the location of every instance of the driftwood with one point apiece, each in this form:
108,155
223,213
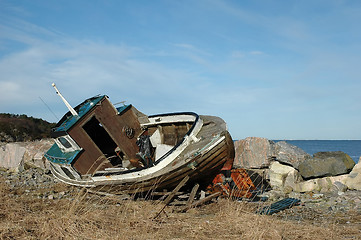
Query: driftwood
173,193
192,195
200,202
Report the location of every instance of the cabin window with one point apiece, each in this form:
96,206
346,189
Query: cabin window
64,142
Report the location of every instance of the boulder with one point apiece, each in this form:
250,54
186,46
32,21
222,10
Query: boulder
283,177
339,187
11,156
35,151
16,156
325,184
353,181
289,154
278,173
307,186
293,178
326,164
253,153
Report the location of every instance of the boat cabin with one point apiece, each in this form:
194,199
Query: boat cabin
102,138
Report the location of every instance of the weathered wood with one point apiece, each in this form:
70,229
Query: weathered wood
205,161
204,200
208,161
205,165
192,195
160,128
171,196
113,124
172,178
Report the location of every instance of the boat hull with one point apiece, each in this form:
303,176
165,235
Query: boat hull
200,159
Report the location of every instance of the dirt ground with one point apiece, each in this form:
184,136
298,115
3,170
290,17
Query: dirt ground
72,213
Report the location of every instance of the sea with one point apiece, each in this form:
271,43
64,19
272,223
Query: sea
351,147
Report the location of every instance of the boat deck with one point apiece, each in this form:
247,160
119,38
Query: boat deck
200,160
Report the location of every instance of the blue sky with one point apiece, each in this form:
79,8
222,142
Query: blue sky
273,69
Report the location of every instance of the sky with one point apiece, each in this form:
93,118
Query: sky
270,68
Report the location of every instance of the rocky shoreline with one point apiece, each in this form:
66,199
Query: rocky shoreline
30,175
35,183
318,208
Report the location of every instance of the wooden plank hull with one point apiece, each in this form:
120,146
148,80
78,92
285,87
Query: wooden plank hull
200,170
199,158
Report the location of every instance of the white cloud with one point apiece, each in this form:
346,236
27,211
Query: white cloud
9,90
82,68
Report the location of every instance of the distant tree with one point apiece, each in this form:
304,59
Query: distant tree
15,127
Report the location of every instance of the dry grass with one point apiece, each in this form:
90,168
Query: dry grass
86,216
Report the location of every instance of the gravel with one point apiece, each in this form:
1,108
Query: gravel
333,207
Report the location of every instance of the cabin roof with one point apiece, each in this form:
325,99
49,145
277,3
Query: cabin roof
69,120
54,154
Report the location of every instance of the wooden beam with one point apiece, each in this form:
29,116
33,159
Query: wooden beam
204,200
173,193
192,195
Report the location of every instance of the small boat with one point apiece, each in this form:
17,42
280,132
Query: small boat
120,148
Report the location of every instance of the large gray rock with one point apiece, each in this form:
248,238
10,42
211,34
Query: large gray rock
16,156
325,184
339,187
34,154
253,153
11,155
353,180
292,179
289,154
325,164
280,173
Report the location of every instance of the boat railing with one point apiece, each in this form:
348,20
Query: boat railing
167,118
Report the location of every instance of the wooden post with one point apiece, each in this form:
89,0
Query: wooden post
173,193
192,195
199,202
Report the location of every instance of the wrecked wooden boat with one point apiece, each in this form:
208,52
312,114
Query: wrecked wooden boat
100,145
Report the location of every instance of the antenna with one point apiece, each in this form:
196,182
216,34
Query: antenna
122,102
66,102
56,117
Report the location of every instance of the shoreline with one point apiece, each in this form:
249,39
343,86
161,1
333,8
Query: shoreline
54,210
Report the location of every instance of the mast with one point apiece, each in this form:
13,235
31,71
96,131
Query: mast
65,101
